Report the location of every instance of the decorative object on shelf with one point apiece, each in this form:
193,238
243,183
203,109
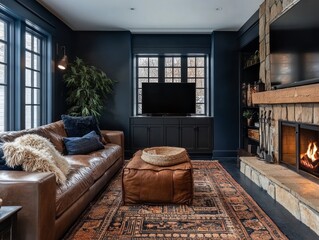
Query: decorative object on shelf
256,57
248,96
88,87
248,114
260,86
252,60
253,134
244,94
250,90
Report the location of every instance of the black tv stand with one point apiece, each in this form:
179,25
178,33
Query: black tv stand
191,132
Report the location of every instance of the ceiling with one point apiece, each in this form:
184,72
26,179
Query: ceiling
153,16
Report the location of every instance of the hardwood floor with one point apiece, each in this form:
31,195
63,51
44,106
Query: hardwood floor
288,224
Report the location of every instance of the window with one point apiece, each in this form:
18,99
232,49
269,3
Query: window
33,75
173,69
196,70
4,81
147,70
25,79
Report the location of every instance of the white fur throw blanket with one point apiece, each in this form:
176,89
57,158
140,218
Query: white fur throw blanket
36,154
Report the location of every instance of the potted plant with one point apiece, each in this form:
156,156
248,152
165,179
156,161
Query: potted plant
88,87
248,114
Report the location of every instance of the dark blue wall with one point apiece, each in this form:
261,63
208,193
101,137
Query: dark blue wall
111,52
171,43
224,72
61,34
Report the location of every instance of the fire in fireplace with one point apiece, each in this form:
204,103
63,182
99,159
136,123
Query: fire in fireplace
310,159
298,146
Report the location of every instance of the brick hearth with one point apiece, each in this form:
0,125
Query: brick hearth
296,193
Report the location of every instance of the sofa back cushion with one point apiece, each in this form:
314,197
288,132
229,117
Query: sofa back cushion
54,132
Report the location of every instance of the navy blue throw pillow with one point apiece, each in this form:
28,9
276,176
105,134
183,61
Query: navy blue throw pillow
3,163
79,126
83,145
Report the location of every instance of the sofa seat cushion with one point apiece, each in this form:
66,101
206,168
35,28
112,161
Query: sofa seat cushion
85,170
102,160
79,180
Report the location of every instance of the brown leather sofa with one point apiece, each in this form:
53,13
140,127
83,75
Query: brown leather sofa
48,209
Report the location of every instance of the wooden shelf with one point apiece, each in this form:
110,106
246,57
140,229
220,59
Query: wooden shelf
301,94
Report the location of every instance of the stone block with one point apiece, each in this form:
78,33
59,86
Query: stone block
309,217
264,182
316,113
277,112
298,112
273,12
284,112
267,12
262,9
267,45
262,25
279,8
290,202
271,190
242,167
262,50
255,177
248,171
307,113
262,72
267,81
267,65
291,112
271,2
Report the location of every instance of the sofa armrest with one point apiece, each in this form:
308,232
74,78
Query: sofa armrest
36,193
116,137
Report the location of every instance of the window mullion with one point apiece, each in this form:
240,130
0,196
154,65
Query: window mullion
184,69
161,69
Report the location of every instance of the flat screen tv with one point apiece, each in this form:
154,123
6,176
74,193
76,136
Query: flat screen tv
294,48
169,98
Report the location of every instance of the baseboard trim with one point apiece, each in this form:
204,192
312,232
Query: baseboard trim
224,153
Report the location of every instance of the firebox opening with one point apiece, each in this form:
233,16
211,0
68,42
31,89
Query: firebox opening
299,146
309,155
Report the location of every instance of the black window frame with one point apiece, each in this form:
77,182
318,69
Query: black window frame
161,77
15,99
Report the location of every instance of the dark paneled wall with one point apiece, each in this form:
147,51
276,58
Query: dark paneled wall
224,77
61,34
171,43
111,52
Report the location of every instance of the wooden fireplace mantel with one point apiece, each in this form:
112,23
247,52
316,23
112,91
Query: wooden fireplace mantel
301,94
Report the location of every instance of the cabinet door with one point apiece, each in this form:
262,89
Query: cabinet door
188,137
203,138
139,136
155,135
171,135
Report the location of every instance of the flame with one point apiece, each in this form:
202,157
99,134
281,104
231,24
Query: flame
312,151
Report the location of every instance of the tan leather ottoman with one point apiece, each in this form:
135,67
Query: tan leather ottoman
146,183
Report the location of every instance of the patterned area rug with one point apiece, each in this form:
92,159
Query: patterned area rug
221,210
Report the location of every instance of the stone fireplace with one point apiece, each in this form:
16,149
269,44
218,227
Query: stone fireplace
298,147
293,128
